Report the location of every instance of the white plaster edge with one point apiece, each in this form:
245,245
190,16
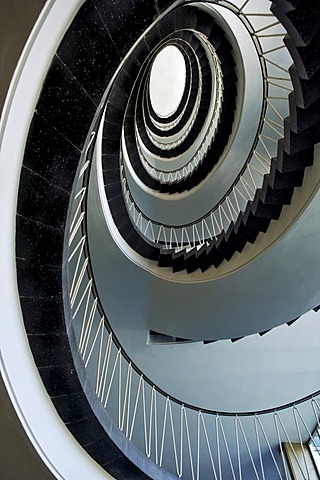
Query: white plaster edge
58,449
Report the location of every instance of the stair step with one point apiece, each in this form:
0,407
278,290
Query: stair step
178,262
301,24
286,5
306,58
269,211
306,117
295,143
186,18
204,23
279,180
305,21
292,321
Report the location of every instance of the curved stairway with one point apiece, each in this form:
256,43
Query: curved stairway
61,131
295,153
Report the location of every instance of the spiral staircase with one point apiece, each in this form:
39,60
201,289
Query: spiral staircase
138,244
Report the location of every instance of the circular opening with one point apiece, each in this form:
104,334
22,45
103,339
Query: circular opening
167,81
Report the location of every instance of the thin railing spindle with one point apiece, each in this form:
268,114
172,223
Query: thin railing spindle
238,447
105,367
100,327
283,457
290,444
189,443
269,447
135,407
248,449
301,442
259,448
111,378
209,447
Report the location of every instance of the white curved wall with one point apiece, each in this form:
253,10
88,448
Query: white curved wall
221,375
51,439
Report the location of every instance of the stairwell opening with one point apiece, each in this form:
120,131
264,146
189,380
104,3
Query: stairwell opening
167,81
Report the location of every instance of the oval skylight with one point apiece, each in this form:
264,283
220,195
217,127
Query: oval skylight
167,81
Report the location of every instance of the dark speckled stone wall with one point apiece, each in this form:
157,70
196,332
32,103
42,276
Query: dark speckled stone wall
89,54
100,35
65,105
126,20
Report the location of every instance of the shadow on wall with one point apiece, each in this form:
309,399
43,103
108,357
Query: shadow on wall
16,21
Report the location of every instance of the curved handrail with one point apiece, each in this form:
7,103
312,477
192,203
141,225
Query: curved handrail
79,226
250,178
123,389
109,356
